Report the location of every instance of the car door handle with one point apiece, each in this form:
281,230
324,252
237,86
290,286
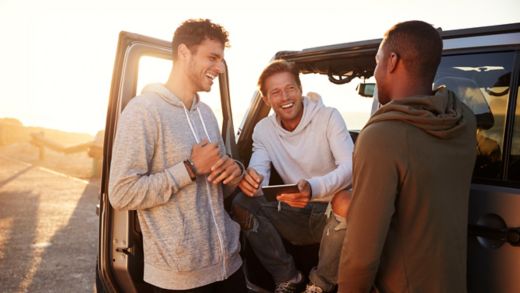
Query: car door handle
126,250
510,235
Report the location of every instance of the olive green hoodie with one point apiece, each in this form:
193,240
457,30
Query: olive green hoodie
407,224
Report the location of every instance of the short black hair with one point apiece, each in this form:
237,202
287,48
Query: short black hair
278,66
193,32
418,44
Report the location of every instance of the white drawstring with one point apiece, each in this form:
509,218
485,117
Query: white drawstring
208,190
191,125
203,124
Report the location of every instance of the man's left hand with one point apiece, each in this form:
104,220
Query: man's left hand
224,170
299,199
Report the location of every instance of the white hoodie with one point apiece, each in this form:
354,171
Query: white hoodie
319,150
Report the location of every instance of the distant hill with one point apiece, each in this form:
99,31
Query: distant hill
13,131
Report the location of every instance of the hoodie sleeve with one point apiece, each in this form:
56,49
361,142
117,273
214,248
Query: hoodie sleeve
341,147
376,181
132,186
260,160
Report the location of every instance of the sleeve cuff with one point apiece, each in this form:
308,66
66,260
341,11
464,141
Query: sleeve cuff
242,173
315,187
179,175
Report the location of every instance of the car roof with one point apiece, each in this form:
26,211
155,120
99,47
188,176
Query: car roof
356,59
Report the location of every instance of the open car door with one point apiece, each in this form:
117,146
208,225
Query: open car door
139,60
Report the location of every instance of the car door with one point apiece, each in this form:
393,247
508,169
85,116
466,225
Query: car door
483,71
139,60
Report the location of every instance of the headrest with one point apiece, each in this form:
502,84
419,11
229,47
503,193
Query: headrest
470,94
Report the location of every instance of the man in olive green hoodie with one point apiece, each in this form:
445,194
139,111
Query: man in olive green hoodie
412,166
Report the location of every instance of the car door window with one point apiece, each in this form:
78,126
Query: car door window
482,82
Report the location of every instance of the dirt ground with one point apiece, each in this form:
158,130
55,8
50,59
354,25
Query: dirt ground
48,224
77,165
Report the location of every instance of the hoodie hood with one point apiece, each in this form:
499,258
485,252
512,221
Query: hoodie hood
311,107
440,115
170,98
163,92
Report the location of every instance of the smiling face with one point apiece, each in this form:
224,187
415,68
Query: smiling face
205,62
285,97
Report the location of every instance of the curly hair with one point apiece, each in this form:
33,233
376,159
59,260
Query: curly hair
193,32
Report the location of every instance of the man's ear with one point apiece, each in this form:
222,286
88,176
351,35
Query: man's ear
183,51
393,60
266,101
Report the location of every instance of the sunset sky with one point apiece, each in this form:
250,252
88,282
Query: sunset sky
57,56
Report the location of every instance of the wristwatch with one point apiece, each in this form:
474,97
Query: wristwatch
190,167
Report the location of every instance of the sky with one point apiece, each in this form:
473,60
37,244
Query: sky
57,56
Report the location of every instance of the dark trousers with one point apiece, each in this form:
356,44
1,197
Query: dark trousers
236,283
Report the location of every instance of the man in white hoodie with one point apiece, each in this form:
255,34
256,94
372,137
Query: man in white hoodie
169,164
308,144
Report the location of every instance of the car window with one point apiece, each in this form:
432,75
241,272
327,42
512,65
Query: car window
154,70
482,81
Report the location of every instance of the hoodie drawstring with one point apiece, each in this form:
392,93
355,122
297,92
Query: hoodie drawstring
224,261
191,125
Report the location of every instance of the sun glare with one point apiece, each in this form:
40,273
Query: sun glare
58,76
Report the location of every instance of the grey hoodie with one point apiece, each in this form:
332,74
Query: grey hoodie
188,238
319,150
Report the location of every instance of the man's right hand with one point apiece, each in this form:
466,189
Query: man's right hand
204,155
251,182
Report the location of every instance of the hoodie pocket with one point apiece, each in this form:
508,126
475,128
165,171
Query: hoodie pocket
195,247
186,247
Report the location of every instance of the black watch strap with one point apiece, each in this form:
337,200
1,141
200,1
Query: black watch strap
190,167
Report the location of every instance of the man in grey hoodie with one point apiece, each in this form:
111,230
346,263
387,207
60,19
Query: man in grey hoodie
169,164
407,224
308,144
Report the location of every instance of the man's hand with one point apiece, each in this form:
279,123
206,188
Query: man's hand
299,199
204,155
224,170
251,182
